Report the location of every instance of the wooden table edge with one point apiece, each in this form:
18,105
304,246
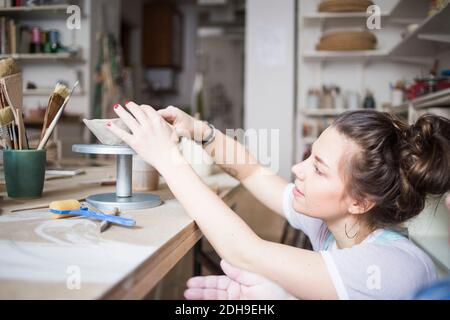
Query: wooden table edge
146,276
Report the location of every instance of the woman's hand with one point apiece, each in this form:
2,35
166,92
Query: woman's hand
237,284
184,124
151,136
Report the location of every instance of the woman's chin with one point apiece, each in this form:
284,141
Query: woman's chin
299,207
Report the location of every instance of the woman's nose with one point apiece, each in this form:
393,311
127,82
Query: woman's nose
298,172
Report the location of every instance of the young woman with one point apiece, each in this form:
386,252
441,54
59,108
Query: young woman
367,174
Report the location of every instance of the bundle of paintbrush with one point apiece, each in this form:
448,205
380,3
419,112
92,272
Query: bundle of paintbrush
12,128
6,127
10,76
55,103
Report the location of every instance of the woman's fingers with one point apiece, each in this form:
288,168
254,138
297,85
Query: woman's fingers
239,275
169,114
213,288
137,112
150,112
211,282
127,118
206,294
122,134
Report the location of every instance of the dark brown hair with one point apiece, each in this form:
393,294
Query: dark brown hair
398,165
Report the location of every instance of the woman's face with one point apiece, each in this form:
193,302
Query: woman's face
319,182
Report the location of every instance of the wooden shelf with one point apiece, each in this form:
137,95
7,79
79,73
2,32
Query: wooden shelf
398,110
343,55
408,12
339,15
430,37
435,99
400,13
42,56
36,12
56,7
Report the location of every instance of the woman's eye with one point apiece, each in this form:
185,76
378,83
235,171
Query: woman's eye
317,170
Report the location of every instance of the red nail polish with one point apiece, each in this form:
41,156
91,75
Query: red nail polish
127,102
116,106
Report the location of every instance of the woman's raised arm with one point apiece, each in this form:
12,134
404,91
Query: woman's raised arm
233,158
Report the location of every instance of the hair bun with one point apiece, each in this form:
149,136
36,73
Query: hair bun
427,155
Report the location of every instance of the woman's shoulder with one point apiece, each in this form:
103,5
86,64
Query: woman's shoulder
384,266
397,252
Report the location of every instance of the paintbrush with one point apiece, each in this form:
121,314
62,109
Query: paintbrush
6,119
55,102
52,126
8,67
23,141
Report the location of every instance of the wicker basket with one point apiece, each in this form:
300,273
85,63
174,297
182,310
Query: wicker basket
344,5
349,40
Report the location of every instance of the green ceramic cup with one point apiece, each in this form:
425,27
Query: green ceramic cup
24,173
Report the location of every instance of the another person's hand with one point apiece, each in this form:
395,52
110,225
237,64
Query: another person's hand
236,284
184,124
151,136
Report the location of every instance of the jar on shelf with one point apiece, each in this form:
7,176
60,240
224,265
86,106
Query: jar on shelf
313,99
326,101
338,99
352,100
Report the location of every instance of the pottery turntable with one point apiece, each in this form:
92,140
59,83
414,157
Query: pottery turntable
124,198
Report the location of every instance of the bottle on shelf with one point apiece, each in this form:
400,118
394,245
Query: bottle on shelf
313,99
369,101
53,39
35,46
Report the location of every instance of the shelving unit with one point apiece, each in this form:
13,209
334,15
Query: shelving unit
428,39
437,99
44,70
318,63
61,65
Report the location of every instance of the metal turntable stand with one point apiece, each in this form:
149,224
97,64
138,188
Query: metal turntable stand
123,199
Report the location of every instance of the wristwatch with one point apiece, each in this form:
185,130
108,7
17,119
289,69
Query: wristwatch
210,138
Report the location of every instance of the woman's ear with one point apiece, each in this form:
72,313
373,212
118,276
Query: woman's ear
360,207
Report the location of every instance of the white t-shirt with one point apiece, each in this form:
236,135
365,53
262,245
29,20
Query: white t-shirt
386,265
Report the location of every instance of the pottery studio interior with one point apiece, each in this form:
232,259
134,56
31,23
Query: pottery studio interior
224,149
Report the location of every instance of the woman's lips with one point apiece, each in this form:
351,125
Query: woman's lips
297,193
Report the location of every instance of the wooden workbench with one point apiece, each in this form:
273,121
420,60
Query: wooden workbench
41,258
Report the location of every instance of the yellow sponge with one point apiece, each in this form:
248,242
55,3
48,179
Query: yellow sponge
63,206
